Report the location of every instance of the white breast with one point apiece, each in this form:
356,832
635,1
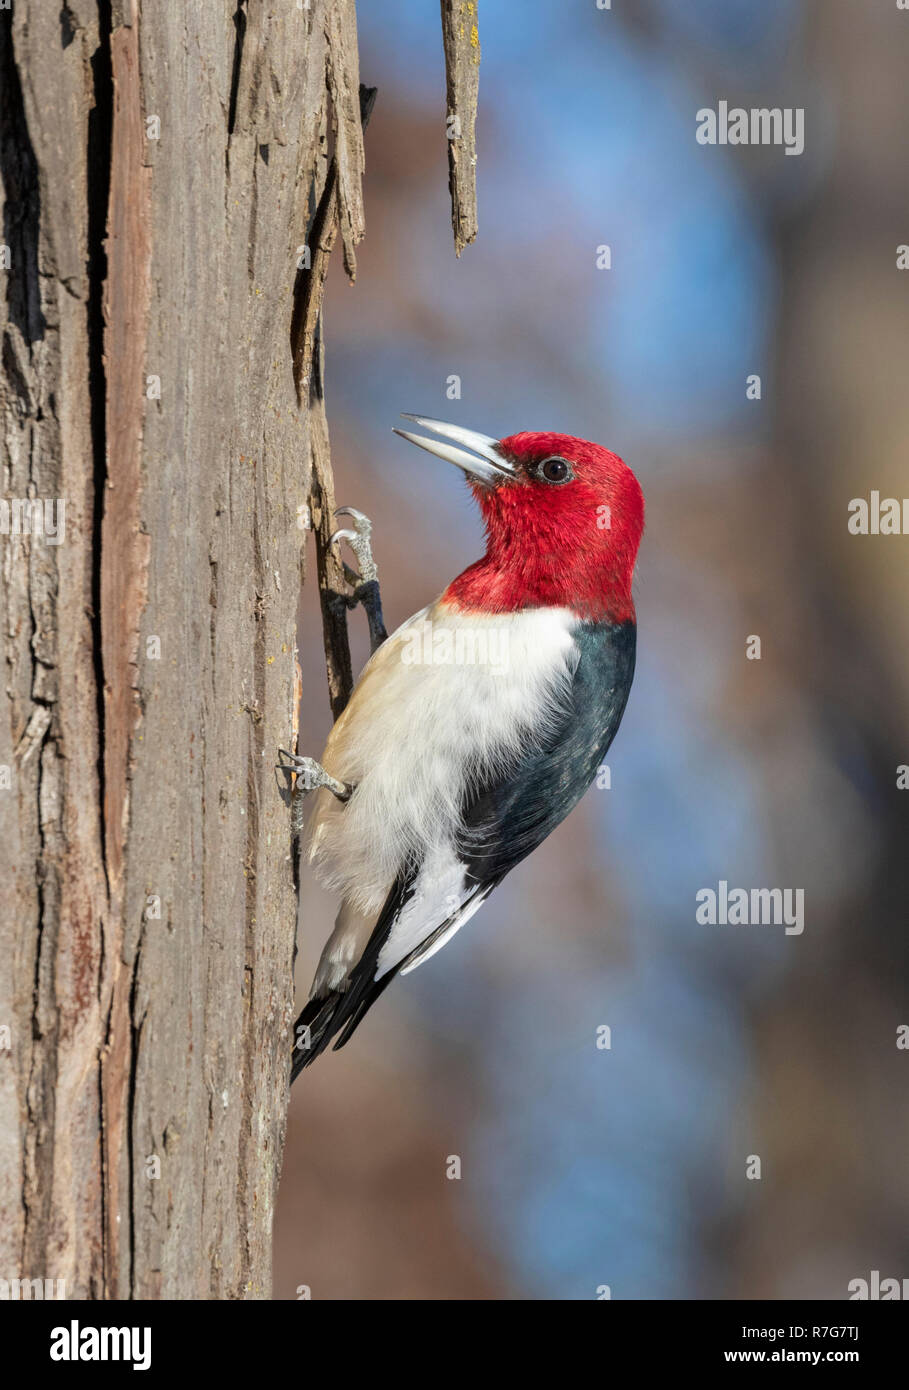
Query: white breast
445,702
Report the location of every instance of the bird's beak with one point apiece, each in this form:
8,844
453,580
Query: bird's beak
484,464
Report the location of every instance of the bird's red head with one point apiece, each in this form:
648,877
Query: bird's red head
564,519
564,530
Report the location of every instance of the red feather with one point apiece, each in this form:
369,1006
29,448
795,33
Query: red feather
570,545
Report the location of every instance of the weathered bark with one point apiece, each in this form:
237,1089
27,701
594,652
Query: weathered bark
461,40
148,916
308,368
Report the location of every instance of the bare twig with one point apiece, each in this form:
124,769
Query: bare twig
462,77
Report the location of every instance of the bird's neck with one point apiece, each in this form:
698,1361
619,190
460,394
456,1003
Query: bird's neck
593,581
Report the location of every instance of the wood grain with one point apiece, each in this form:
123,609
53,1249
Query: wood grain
461,39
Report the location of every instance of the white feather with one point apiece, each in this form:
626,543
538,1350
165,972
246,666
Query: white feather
444,937
342,950
418,733
438,895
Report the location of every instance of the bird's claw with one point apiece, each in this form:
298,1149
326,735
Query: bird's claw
312,775
365,585
359,538
351,576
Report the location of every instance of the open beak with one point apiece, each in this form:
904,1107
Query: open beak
484,464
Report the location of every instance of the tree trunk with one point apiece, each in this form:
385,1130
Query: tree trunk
148,916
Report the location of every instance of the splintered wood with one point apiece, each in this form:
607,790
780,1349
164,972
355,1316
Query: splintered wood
462,75
307,370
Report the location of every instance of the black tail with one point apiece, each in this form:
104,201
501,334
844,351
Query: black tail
323,1018
342,1010
311,1035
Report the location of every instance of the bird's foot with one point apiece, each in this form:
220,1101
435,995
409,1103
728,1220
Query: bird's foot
312,775
360,539
365,584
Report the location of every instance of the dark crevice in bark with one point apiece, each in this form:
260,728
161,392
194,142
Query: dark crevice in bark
106,1261
69,25
97,1284
240,26
100,141
135,1037
22,200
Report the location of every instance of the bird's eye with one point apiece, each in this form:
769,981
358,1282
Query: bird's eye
555,470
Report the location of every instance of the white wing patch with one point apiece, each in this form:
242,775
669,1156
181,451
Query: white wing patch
443,705
444,937
438,895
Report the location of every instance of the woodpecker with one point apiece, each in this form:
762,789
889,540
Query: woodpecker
478,725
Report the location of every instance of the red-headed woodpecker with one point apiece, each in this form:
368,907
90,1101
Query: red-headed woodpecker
476,727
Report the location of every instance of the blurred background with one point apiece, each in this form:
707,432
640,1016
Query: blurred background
583,1167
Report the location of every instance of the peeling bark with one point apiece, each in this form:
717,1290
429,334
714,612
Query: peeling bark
306,350
344,86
